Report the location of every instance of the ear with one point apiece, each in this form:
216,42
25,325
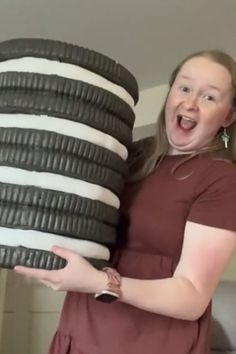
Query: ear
231,118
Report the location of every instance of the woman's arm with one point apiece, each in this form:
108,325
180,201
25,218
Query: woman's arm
205,254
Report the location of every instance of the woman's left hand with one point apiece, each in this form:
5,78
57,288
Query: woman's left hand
78,275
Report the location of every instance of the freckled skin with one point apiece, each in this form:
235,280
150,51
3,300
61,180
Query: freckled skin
201,92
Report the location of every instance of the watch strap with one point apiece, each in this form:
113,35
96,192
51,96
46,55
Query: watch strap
113,288
113,280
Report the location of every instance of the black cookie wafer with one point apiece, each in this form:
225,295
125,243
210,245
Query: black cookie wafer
49,104
26,217
35,258
73,54
42,139
101,98
61,202
43,160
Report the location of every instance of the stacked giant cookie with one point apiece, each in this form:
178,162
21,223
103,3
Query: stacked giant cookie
66,119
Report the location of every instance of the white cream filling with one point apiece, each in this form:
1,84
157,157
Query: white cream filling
70,71
58,183
45,241
65,127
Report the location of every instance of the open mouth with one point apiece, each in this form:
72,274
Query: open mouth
186,123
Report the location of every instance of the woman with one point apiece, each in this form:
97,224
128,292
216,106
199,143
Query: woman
179,232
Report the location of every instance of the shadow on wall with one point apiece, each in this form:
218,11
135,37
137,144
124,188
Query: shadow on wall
220,341
144,131
224,319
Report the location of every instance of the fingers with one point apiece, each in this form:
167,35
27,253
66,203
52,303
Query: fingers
68,255
49,285
42,273
48,278
34,273
62,252
46,283
55,279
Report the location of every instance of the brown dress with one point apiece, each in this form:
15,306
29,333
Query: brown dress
156,211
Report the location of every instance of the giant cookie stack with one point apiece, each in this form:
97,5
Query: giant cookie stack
66,119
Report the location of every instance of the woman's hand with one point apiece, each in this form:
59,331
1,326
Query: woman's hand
78,275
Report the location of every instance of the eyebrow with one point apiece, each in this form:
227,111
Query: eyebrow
210,86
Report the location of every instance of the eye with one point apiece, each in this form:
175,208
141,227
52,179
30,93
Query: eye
209,98
184,88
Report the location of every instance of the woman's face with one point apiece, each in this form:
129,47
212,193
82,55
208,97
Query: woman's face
198,105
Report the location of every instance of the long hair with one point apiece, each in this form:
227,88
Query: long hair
145,153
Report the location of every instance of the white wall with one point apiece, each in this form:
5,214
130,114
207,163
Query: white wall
149,105
3,277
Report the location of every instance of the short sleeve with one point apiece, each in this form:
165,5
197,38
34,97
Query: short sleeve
215,205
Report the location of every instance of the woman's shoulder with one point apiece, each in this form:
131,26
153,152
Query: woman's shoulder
217,174
219,167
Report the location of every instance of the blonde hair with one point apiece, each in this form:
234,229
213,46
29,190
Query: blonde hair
145,153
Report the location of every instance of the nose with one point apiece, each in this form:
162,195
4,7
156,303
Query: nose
191,102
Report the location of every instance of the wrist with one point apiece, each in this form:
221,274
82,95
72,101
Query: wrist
100,281
112,289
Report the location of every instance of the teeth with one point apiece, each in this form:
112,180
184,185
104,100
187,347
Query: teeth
186,118
185,122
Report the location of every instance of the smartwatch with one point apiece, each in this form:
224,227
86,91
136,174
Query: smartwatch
112,291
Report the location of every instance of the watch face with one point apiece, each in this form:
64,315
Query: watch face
106,296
